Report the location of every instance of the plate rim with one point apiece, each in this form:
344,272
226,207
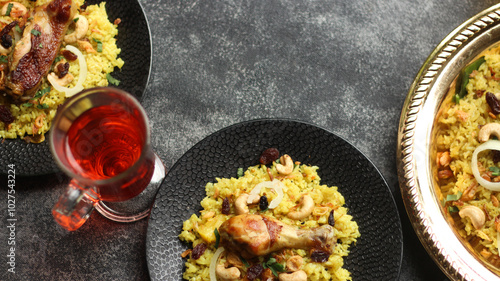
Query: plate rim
416,191
280,119
151,61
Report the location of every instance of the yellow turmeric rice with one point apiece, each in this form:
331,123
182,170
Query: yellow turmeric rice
304,179
458,127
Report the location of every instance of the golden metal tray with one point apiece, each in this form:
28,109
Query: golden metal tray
416,154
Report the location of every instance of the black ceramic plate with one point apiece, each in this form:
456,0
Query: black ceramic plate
377,253
134,39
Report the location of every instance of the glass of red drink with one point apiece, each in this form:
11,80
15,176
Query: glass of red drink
100,138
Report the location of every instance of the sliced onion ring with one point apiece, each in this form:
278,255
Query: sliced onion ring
81,77
213,263
489,145
275,185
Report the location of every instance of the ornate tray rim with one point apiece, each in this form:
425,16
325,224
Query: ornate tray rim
414,136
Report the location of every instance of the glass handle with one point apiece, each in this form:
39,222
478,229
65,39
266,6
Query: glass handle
74,206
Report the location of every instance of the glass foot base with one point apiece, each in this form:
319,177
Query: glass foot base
138,207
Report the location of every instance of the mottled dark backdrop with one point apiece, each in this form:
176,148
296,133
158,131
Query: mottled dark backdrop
343,65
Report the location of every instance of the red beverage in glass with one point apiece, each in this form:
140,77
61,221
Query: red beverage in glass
100,139
104,142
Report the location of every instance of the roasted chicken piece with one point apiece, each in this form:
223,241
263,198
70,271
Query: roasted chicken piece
34,54
255,235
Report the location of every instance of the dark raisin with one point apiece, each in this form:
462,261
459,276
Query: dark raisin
68,55
226,208
496,156
254,271
198,251
263,204
331,219
320,256
493,102
62,69
6,115
5,38
6,41
84,6
269,155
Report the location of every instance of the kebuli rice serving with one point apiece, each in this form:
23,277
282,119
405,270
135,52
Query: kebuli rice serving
273,222
468,155
49,51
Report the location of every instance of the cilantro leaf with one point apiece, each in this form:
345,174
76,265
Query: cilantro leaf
99,45
217,238
35,32
41,93
9,9
112,80
274,266
495,171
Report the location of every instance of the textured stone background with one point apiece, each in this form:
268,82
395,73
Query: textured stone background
343,65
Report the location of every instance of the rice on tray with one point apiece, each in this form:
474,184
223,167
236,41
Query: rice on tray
101,55
467,158
302,181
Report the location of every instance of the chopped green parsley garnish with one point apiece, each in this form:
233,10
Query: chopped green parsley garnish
453,197
274,266
58,59
41,93
35,32
42,106
244,261
217,238
463,79
9,9
18,29
495,171
3,59
112,80
99,45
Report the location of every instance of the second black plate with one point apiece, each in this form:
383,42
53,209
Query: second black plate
376,255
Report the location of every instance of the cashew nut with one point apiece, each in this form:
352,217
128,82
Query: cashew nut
81,28
296,276
86,46
241,204
16,9
234,259
285,167
475,214
307,206
294,263
64,81
231,273
488,130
